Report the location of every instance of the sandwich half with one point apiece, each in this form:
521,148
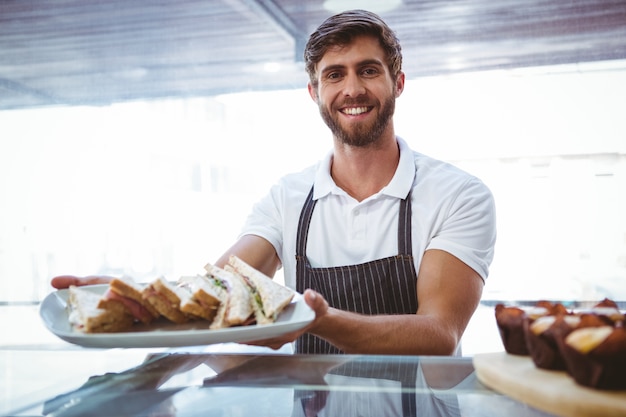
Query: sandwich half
269,298
130,294
204,300
236,307
166,298
90,313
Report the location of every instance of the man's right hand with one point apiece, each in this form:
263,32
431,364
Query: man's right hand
64,281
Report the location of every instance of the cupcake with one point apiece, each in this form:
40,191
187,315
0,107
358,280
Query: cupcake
596,356
542,337
552,308
607,302
510,322
608,311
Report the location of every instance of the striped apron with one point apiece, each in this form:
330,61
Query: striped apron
383,286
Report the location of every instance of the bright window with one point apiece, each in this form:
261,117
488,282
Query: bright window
163,187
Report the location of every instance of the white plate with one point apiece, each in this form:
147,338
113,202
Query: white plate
166,334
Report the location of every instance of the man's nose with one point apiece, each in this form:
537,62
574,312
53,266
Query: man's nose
353,86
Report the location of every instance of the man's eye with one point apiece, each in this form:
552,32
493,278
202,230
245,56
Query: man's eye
333,75
370,71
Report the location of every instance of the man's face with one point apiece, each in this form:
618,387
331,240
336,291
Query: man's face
356,93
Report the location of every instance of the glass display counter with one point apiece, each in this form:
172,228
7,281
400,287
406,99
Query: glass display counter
63,380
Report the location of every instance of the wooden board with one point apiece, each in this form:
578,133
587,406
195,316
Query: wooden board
550,391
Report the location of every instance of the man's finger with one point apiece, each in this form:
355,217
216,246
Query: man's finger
64,281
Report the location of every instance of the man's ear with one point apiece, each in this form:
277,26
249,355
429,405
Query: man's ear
312,92
400,84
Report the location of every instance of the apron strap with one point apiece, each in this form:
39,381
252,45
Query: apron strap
303,226
405,244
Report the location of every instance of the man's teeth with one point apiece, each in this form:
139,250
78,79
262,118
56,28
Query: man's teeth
353,111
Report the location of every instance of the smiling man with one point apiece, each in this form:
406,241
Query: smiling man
390,247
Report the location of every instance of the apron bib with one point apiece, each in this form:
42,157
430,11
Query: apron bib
382,286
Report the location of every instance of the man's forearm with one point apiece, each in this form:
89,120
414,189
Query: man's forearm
408,334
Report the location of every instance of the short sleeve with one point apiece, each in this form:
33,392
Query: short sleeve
467,228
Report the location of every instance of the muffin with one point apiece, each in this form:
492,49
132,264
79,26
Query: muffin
596,356
607,302
510,322
542,337
608,311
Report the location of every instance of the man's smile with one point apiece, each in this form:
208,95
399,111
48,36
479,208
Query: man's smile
355,111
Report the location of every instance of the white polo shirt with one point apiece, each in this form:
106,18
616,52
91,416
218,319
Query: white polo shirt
451,210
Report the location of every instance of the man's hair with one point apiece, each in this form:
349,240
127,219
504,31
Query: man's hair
341,29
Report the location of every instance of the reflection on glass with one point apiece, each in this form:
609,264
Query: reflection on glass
299,385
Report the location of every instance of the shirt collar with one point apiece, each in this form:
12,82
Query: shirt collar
324,183
398,187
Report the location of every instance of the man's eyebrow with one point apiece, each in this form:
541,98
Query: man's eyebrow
363,63
371,62
332,68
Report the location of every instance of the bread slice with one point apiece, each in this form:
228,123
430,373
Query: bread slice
130,293
166,298
90,313
270,298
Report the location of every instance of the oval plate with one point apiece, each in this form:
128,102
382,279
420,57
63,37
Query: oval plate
162,333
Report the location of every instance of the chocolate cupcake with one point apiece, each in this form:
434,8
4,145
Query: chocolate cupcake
542,337
607,302
510,322
596,356
608,311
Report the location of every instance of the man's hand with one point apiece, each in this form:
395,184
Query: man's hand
317,303
64,281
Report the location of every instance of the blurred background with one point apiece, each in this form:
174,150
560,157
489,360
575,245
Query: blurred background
135,136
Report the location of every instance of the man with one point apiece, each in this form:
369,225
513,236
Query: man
389,247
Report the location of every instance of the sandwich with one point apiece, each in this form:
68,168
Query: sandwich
91,313
269,298
236,295
128,292
166,298
236,301
204,298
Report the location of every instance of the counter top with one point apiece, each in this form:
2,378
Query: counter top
135,382
45,376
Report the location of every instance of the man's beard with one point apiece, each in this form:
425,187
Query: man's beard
360,135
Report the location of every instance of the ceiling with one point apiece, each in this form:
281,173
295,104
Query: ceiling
94,52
